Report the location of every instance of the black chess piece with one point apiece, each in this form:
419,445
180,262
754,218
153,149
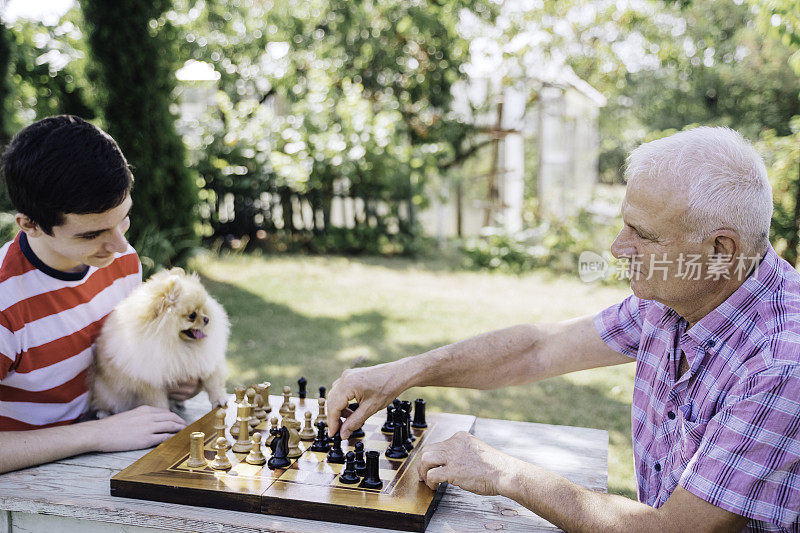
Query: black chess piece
388,426
357,433
403,421
320,443
397,449
280,449
322,391
361,465
419,414
301,391
336,454
372,478
349,474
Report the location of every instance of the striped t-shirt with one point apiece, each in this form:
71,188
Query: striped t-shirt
49,321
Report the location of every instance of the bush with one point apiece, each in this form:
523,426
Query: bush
556,244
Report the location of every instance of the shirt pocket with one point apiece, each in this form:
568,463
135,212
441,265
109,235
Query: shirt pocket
693,432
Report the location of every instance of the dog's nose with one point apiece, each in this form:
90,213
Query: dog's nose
205,320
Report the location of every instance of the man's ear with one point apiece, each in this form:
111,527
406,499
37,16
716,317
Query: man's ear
727,245
27,225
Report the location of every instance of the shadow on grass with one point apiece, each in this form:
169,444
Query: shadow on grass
273,342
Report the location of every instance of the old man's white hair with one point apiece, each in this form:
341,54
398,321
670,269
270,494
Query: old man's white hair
725,177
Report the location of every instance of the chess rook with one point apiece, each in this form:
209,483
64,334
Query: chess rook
372,478
263,390
196,457
419,414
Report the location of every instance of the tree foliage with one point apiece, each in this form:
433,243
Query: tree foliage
132,45
326,98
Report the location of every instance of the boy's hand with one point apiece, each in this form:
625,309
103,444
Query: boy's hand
184,390
143,427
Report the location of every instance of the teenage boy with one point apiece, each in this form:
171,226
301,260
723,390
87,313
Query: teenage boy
59,278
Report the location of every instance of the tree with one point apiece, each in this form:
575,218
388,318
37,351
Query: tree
132,44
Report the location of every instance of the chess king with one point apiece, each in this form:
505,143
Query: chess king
61,275
717,354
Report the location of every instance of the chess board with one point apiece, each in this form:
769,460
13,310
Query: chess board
309,488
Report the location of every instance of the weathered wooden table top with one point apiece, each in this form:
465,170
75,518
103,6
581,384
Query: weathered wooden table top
73,494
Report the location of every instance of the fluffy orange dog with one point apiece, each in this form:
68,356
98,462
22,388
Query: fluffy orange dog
167,331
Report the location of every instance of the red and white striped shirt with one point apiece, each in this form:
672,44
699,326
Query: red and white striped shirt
49,321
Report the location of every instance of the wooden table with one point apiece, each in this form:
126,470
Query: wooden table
72,495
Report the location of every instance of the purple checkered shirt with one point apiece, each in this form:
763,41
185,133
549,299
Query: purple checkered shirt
728,430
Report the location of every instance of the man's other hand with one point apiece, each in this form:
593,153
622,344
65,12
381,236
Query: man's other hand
467,462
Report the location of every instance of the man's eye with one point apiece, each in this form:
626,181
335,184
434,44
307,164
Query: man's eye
90,237
193,316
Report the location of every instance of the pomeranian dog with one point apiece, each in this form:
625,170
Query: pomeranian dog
167,331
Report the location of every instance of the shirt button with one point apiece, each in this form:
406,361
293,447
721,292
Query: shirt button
657,466
712,342
671,415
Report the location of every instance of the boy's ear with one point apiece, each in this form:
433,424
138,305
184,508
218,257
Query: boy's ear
27,225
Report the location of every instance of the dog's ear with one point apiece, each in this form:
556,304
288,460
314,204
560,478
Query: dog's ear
167,295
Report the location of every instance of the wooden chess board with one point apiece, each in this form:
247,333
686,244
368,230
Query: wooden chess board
309,488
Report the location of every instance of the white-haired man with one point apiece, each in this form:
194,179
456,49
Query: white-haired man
714,328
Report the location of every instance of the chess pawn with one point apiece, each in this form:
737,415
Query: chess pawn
307,433
242,410
263,391
301,388
221,427
274,427
349,475
322,391
196,457
295,423
361,465
284,409
256,456
322,416
294,444
221,461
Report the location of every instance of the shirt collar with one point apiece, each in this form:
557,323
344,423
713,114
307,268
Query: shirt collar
27,251
728,318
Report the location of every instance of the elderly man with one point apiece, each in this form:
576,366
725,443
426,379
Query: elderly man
714,328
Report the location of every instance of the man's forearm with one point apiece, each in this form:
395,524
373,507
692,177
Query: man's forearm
575,508
488,361
21,449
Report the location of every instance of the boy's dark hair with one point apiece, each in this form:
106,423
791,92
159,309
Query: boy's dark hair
62,165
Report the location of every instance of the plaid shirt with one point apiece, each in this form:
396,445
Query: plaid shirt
728,430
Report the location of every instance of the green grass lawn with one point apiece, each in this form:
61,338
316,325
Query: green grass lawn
316,316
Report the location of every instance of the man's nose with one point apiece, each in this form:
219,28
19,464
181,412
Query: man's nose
622,246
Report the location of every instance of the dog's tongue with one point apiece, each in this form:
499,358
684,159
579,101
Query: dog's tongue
198,334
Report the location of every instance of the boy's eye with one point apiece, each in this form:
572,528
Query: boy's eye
193,316
90,237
